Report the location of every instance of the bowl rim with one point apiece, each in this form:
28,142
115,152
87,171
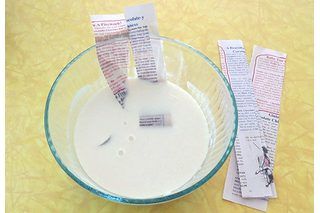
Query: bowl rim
147,201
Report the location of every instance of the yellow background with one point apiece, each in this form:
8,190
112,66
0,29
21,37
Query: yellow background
44,35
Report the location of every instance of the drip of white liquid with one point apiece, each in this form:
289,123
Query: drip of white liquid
139,162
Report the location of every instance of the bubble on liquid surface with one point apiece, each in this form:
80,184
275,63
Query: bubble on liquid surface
120,152
131,138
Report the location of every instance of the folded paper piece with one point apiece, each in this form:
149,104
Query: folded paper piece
267,73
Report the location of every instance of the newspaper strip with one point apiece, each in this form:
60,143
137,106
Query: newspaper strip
267,69
155,120
232,191
142,26
112,46
249,144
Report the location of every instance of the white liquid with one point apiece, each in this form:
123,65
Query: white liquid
141,162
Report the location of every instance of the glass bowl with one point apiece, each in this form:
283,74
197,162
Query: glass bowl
186,67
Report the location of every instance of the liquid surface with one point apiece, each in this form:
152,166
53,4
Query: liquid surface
141,162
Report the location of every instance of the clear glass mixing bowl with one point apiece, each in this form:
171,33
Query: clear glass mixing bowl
186,67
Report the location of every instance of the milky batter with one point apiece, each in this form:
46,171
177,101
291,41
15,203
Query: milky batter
141,162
